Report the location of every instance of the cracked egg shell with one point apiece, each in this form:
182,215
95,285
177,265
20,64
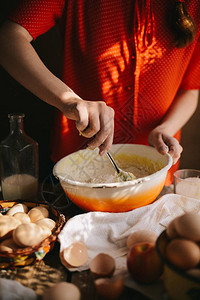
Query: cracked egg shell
75,255
102,265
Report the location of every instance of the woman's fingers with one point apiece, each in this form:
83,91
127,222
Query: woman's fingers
165,144
94,125
160,145
104,137
82,117
105,147
175,150
96,119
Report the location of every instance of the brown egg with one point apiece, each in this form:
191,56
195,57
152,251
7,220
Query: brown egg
188,226
17,208
22,217
38,213
26,235
171,230
8,245
75,255
184,254
46,222
102,265
110,288
141,236
62,291
7,225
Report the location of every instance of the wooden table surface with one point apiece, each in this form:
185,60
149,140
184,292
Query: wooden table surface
49,271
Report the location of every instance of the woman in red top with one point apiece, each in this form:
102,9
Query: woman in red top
124,78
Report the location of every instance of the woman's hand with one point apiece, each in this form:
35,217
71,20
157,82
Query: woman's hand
165,143
19,58
93,119
181,110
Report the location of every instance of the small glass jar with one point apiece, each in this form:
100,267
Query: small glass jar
18,162
187,183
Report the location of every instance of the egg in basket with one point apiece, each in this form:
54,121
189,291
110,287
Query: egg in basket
28,231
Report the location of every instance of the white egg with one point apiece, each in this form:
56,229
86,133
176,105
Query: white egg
8,245
46,222
26,235
38,213
22,217
17,208
7,225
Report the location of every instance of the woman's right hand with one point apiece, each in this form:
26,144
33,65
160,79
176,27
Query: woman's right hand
93,119
19,58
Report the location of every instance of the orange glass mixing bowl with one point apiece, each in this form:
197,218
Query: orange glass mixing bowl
77,172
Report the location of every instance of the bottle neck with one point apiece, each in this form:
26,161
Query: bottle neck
16,123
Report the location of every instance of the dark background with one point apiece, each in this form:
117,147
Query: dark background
39,116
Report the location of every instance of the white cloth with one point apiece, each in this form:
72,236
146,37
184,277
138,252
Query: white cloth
108,232
13,290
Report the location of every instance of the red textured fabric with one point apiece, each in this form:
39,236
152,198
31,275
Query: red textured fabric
121,52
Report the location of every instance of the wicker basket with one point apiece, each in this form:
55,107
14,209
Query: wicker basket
29,255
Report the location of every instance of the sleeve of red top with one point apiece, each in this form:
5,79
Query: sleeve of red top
191,78
37,16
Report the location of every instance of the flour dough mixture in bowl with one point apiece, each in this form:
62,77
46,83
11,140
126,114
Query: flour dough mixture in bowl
91,182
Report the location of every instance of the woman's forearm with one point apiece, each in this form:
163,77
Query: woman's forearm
21,61
181,110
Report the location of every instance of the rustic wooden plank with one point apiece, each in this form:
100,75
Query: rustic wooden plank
85,281
41,275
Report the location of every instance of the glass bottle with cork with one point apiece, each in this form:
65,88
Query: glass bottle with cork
18,162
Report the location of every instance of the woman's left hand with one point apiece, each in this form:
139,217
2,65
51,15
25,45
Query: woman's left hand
165,143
